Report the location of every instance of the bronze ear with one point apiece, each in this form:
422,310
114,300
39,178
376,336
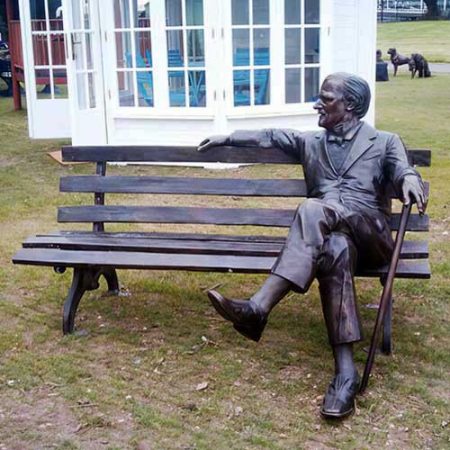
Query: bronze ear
350,106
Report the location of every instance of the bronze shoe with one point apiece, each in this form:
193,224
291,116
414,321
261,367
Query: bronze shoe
245,316
339,400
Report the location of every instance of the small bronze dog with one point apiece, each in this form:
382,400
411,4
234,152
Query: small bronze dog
397,59
418,64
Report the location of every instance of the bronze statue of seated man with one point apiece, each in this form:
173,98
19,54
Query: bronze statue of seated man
343,224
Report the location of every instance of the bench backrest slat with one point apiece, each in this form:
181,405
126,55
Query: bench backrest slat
239,155
100,185
184,186
187,186
198,215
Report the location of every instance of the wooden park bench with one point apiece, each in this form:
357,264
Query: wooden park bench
100,252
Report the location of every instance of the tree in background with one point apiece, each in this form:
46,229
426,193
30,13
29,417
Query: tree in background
433,8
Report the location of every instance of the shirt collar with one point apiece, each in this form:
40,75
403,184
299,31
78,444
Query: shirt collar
348,136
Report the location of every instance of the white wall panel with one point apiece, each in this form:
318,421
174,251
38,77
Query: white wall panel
354,41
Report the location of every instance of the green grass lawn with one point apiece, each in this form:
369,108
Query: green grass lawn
430,38
130,379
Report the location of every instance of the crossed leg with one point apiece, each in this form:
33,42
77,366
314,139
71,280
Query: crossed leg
322,243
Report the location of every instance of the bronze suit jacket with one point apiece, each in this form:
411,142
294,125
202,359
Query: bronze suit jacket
375,159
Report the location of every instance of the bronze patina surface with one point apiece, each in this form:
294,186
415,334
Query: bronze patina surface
341,226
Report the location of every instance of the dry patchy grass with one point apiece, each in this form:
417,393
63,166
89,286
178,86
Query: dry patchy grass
157,368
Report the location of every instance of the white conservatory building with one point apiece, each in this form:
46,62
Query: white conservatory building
175,71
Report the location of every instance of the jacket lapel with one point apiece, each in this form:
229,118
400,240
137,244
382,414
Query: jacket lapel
363,141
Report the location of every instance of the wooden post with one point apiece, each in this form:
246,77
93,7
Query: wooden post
15,83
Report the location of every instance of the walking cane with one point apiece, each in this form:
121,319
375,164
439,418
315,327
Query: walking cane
387,291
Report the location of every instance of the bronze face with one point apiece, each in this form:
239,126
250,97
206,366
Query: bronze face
331,105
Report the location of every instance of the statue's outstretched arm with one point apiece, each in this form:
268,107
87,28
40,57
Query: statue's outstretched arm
290,141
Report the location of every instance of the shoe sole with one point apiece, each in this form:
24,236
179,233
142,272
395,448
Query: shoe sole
330,415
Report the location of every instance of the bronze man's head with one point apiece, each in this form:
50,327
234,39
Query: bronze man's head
343,97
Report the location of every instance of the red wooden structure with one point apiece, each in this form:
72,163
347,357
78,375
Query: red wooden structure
40,52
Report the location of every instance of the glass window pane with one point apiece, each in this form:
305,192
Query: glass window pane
241,48
37,11
312,11
312,75
81,90
196,48
56,15
261,46
88,42
78,48
177,93
197,88
143,45
86,14
175,48
58,49
123,49
312,45
194,12
174,16
60,83
240,12
261,12
292,41
142,14
145,88
91,88
121,14
241,87
43,82
126,88
40,50
292,12
293,86
262,87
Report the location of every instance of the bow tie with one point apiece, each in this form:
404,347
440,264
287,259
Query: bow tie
337,139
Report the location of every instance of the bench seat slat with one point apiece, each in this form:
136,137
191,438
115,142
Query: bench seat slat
169,235
238,155
198,215
167,261
158,245
410,249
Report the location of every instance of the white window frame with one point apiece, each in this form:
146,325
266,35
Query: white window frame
162,108
47,33
218,66
277,66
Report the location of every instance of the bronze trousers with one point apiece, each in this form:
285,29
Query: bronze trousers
329,242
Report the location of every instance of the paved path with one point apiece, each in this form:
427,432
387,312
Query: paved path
439,68
434,67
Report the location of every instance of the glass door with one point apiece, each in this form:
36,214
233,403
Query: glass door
85,72
45,72
158,56
251,52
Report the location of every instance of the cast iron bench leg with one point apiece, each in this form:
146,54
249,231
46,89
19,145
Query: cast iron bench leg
85,280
